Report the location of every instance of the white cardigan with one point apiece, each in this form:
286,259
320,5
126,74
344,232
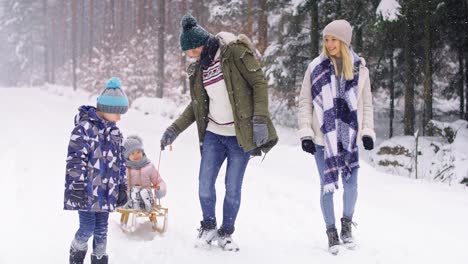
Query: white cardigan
308,123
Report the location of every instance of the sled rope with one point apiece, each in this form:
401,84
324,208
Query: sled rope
159,162
156,184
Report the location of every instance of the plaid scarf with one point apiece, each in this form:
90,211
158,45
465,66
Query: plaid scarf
336,110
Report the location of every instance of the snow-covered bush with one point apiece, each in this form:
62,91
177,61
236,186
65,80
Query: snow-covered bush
443,157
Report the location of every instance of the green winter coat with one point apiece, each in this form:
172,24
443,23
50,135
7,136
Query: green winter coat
247,89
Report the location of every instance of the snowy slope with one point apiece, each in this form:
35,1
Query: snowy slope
400,220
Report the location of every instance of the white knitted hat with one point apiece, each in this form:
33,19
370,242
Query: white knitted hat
340,29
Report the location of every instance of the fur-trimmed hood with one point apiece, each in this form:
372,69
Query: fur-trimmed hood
227,38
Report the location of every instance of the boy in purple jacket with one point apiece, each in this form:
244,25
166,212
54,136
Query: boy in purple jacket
95,181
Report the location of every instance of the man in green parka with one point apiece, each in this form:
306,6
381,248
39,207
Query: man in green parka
229,103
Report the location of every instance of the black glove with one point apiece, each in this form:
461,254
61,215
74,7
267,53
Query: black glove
260,131
122,198
368,142
78,195
168,137
308,146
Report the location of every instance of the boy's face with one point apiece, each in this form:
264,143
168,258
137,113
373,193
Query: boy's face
111,117
136,155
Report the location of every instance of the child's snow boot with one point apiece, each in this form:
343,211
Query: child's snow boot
104,259
333,240
145,195
135,197
77,256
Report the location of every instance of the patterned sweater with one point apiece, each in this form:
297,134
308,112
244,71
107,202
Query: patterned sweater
221,120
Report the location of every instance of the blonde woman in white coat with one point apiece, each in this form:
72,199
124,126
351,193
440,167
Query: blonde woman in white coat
335,115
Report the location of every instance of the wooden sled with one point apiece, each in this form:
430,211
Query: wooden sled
158,218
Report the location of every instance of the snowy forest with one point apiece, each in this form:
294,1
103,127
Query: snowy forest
417,51
56,56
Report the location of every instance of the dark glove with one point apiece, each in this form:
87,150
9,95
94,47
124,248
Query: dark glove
77,195
168,137
260,131
368,142
122,198
308,146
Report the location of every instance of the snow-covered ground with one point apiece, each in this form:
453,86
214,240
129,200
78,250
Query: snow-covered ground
400,220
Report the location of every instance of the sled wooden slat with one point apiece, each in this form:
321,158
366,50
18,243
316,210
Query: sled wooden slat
157,212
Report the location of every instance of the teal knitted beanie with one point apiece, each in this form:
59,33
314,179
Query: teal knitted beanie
192,35
112,99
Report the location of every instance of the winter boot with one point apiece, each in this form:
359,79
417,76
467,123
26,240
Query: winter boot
95,259
135,198
346,233
145,195
333,240
77,256
206,234
225,241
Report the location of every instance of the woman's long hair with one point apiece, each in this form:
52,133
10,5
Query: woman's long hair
347,68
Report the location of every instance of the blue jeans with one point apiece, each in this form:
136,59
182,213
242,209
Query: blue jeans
92,224
216,149
326,200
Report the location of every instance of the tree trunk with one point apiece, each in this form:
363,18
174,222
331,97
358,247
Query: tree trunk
53,42
248,26
112,7
63,32
147,14
152,17
314,29
168,26
358,36
427,115
392,87
461,82
73,41
161,51
141,15
83,28
46,41
91,30
136,12
409,55
199,9
262,27
465,3
122,20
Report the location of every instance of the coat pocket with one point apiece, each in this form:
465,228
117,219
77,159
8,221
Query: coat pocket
249,61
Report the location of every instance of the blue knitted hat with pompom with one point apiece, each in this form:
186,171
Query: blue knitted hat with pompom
192,35
112,99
